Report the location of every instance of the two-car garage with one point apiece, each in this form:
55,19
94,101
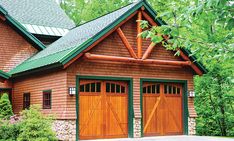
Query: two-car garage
104,109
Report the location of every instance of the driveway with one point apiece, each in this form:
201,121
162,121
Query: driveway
173,138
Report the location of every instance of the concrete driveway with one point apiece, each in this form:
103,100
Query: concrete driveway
173,138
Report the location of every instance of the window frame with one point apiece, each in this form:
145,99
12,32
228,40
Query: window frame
24,102
44,101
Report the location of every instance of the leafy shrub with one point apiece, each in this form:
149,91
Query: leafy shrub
8,131
35,126
5,107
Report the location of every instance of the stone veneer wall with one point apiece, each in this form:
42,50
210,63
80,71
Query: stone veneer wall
65,129
137,127
192,126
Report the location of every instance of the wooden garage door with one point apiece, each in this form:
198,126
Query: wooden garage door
103,109
162,109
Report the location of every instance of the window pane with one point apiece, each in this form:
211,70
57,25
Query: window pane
98,87
165,89
122,89
46,100
113,88
117,88
108,87
87,88
170,89
92,87
26,100
158,88
148,89
174,90
153,89
178,90
144,89
82,88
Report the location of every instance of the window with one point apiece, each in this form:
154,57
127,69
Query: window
91,87
26,101
115,88
152,89
171,89
47,99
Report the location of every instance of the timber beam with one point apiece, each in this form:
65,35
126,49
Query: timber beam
194,67
148,51
139,38
133,60
126,43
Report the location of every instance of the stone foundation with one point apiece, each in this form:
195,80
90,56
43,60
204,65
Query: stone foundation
192,126
137,127
65,129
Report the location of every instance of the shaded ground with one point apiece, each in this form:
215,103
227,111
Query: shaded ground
173,138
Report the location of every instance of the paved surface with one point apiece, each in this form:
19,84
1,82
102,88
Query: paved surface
173,138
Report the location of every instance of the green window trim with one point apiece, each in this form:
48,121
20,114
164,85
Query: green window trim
130,99
184,100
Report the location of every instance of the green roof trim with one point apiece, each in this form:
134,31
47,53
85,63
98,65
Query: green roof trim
77,40
4,75
21,30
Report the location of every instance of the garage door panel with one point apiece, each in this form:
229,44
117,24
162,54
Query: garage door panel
154,123
174,115
162,109
90,119
104,106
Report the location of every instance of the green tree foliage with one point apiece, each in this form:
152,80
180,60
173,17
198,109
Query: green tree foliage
206,28
215,101
5,107
203,26
82,11
35,126
8,131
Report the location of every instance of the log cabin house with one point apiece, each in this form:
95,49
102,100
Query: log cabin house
100,79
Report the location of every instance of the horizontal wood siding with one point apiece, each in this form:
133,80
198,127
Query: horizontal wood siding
54,81
14,48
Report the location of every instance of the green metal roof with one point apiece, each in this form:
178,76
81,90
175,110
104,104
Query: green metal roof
21,30
38,12
4,75
81,37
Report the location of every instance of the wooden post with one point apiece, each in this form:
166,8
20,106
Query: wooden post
139,39
126,43
148,51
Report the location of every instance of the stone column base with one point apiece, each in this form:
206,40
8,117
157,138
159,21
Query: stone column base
137,127
192,126
65,129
